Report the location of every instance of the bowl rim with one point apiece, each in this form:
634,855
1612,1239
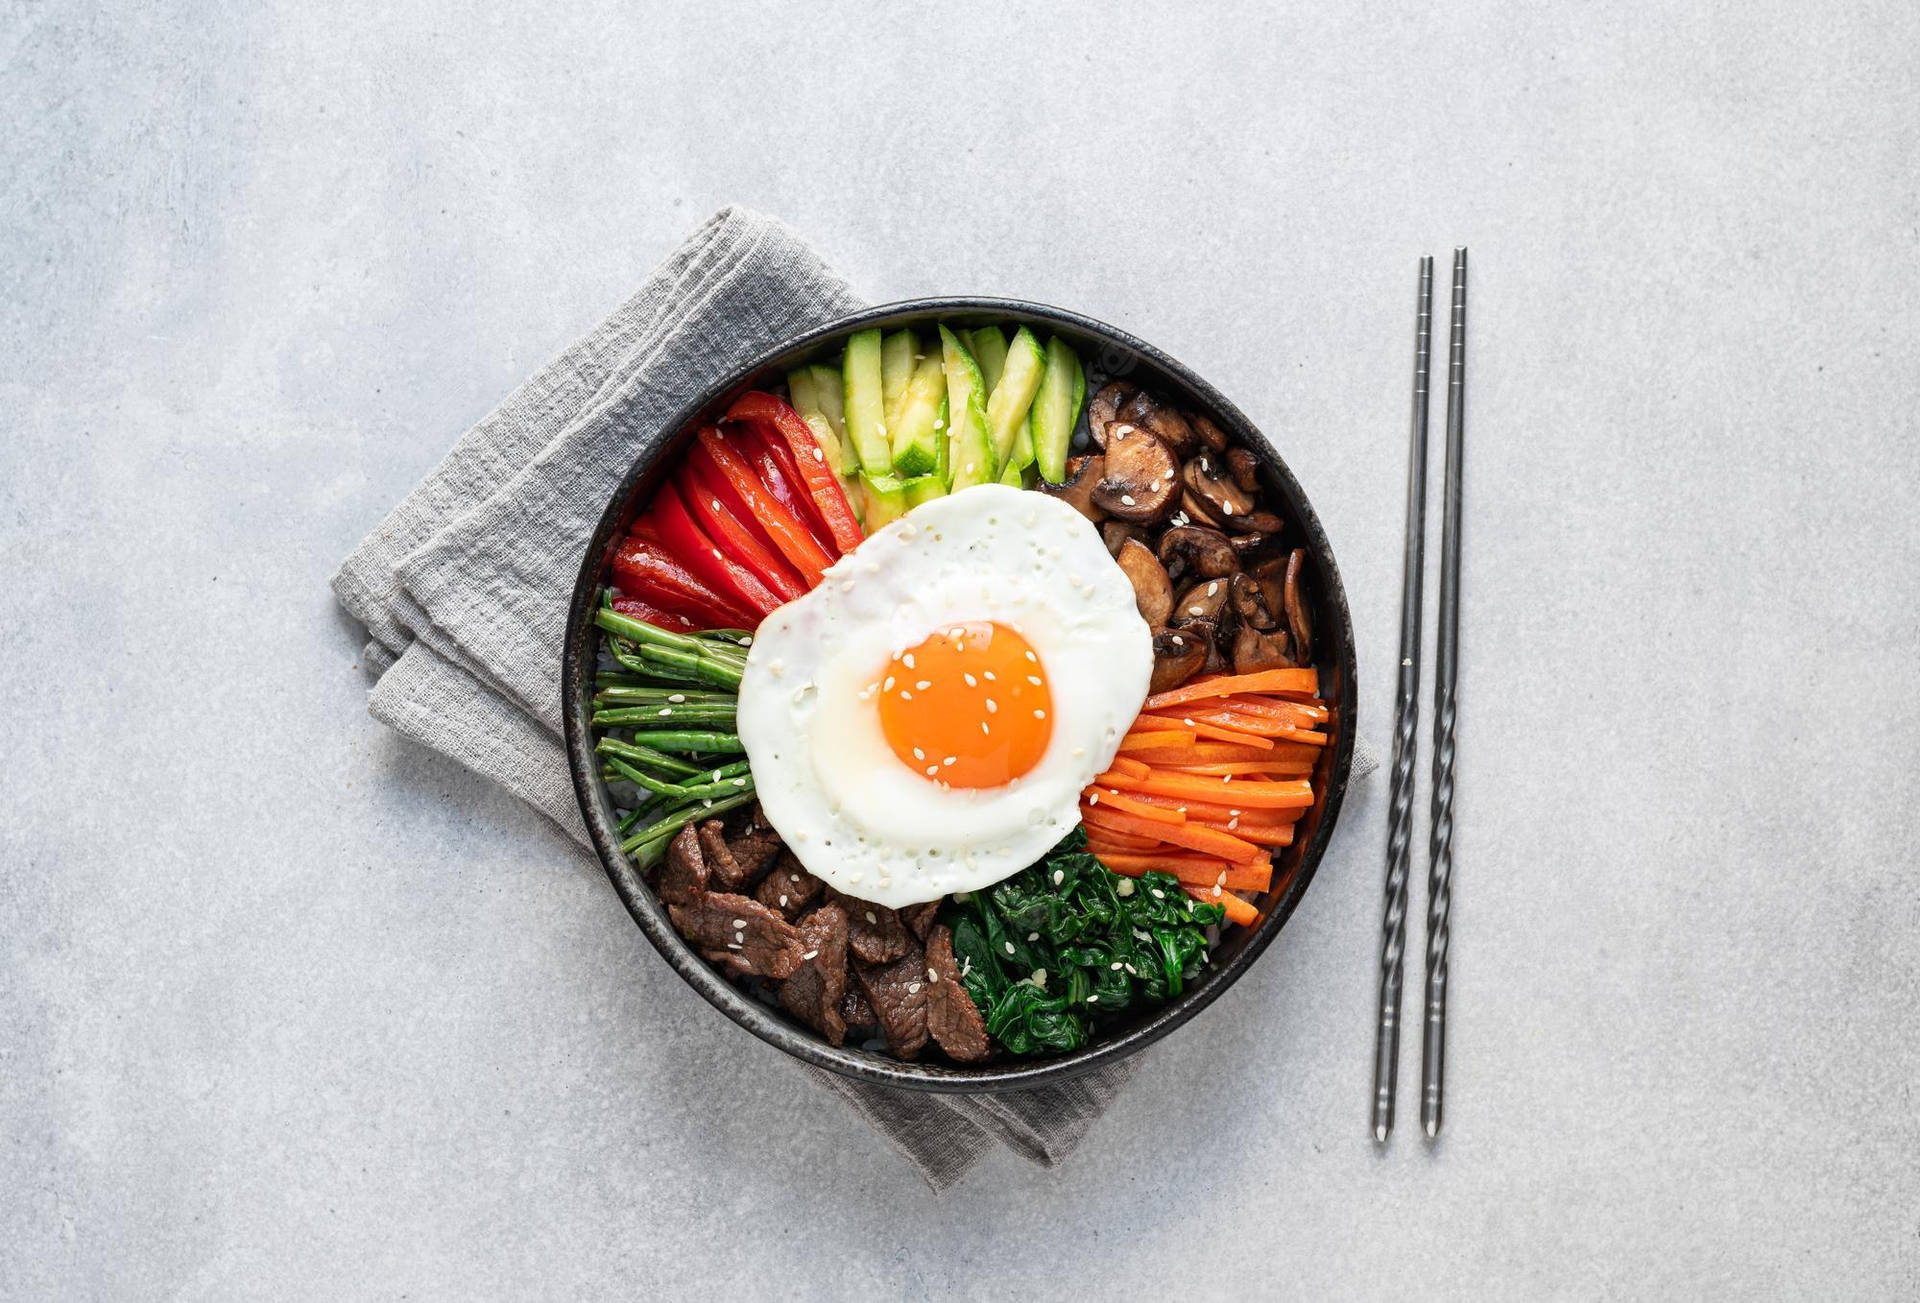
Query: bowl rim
578,661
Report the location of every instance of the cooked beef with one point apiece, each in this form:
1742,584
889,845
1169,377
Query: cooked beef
919,918
683,879
814,992
956,1026
754,843
789,888
766,943
856,1012
728,873
728,963
874,932
898,994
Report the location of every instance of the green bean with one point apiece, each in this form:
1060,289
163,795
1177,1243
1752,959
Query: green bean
684,742
649,845
680,792
655,694
668,716
716,670
673,766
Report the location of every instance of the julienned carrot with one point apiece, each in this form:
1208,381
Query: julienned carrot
1254,795
1287,768
1156,738
1301,682
1123,765
1209,810
1238,910
1239,727
1100,839
1194,870
1210,753
1208,728
1307,712
1205,840
1264,834
1119,801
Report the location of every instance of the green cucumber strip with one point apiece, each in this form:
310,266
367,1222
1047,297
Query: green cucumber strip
1012,398
916,441
886,500
896,365
804,387
923,488
866,403
989,345
1056,407
970,458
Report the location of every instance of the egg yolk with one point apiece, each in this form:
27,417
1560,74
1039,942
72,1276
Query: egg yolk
968,707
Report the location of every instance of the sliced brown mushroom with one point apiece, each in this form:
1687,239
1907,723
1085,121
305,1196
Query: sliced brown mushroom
1197,509
1245,468
1299,617
1106,405
1205,600
1271,575
1116,532
1149,413
1207,432
1152,590
1178,655
1217,662
1141,478
1251,605
1077,489
1206,478
1254,651
1250,548
1199,551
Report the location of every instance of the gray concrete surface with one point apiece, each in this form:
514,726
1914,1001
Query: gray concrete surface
291,1010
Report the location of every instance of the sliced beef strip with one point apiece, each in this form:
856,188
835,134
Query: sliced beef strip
683,878
952,1019
898,994
723,866
875,933
919,918
728,962
789,888
766,943
856,1012
754,843
813,993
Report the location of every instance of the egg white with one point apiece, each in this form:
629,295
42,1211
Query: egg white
827,778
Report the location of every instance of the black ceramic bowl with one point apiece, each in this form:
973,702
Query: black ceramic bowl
1107,353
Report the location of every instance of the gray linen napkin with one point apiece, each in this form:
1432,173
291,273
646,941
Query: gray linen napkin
464,587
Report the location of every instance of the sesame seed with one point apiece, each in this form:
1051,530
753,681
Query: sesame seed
950,760
1196,610
971,682
1039,714
677,697
1232,824
905,695
1126,499
991,707
872,917
1093,998
913,988
810,954
666,710
984,729
739,923
1039,978
793,877
932,976
1124,887
1033,658
1213,588
923,685
907,660
1009,947
932,770
887,686
1134,971
1059,876
918,754
819,455
783,902
1115,965
734,945
1033,936
1036,680
990,676
1187,722
1093,799
956,632
1159,894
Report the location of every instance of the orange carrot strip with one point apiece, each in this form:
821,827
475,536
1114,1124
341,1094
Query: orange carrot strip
1238,910
1305,712
1205,753
1101,839
1159,738
1208,810
1285,767
1125,766
1115,800
1207,840
1266,834
1192,870
1254,795
1301,682
1219,732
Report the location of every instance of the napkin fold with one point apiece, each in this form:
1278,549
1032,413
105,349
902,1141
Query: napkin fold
463,589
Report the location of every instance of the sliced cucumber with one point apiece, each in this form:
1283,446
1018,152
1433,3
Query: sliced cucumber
896,366
1056,407
923,488
885,500
989,345
829,389
970,459
940,441
1013,396
804,388
916,441
866,403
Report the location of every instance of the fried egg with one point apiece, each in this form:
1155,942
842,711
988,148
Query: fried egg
924,721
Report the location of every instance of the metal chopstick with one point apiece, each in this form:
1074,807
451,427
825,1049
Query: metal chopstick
1446,664
1393,924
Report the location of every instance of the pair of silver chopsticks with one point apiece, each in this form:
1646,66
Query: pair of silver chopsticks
1393,930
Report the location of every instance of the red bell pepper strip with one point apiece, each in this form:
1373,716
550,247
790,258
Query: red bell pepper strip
822,485
653,615
669,523
788,533
703,485
646,572
771,461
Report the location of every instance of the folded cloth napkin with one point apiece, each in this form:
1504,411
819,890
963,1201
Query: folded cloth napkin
464,590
